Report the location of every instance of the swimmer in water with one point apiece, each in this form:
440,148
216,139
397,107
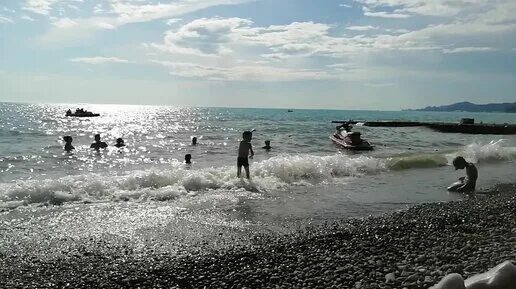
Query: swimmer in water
120,143
68,143
98,144
267,145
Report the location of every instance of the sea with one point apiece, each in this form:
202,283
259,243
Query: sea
304,178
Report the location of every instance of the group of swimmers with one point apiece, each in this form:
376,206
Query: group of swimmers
97,145
465,184
245,149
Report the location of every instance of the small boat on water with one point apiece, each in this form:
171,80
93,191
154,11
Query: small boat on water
290,110
351,141
81,113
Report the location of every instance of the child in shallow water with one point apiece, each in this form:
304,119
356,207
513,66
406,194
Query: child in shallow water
465,184
243,154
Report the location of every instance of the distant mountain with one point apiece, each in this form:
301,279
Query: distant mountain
471,107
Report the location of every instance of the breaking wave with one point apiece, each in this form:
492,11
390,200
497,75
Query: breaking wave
275,173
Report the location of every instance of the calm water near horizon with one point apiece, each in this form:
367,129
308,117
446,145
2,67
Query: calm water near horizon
304,176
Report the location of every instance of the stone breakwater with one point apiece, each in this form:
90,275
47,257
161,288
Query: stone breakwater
414,248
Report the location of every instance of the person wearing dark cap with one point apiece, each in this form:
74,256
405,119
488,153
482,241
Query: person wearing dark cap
468,183
188,159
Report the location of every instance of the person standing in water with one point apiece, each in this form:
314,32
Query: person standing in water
98,144
188,159
243,154
465,184
194,140
68,143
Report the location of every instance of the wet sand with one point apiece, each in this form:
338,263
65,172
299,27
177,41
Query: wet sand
413,248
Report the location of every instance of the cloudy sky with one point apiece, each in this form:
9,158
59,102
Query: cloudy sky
349,54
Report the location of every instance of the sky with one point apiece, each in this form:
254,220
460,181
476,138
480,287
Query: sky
345,54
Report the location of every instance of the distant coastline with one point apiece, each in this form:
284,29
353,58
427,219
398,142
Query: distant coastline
472,107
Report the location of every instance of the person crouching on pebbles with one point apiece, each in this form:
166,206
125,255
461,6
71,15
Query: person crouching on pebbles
465,184
243,154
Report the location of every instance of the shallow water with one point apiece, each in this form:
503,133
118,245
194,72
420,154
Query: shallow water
303,177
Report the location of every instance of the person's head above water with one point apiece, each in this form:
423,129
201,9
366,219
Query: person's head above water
194,140
459,163
119,142
97,137
188,158
67,138
247,135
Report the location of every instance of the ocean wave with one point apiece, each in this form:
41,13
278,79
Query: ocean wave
491,152
275,173
476,152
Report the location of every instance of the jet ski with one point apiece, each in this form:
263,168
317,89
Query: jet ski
82,114
351,141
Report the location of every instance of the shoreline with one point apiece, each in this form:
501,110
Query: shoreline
413,248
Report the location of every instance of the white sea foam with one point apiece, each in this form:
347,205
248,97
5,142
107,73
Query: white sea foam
493,151
275,173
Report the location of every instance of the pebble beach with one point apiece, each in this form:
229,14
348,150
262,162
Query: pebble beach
413,248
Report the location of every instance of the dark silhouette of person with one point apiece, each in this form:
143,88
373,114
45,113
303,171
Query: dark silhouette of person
188,159
119,142
344,127
267,145
194,140
98,144
68,112
468,183
68,143
244,149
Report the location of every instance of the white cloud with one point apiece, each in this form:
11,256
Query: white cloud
64,23
27,17
345,5
244,72
98,8
202,36
4,19
99,60
40,6
401,31
217,37
383,14
439,8
127,12
362,28
122,12
172,21
73,7
8,10
469,49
